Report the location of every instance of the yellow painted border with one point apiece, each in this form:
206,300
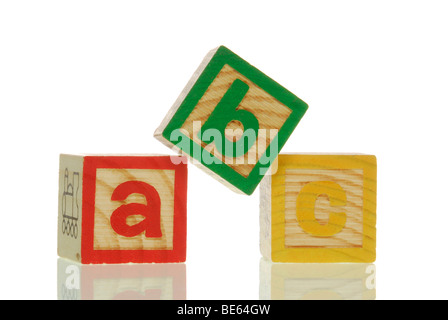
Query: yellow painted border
366,254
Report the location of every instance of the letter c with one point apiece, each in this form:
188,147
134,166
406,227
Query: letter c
306,202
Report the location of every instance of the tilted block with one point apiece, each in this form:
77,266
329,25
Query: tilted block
161,281
122,209
323,281
320,208
231,120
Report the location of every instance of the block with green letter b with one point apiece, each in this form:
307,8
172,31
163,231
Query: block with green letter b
232,120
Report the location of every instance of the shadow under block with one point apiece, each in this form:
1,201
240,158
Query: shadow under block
231,120
122,209
319,209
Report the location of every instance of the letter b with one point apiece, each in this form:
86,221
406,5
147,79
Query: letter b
227,111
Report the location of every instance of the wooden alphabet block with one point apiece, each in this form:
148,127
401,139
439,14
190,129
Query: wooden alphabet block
161,281
320,208
122,209
310,281
232,120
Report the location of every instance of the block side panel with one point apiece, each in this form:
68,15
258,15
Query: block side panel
70,207
265,217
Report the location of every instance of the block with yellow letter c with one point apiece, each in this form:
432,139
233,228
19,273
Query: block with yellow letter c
320,208
122,209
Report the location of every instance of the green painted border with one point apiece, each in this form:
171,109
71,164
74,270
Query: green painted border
222,57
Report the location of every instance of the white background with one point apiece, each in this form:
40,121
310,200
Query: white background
99,76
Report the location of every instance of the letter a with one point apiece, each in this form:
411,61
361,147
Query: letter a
151,211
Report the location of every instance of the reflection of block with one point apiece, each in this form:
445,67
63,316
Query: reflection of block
232,120
320,208
325,281
129,209
121,282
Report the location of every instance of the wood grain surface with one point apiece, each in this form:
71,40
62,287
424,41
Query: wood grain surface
351,182
271,115
336,222
105,238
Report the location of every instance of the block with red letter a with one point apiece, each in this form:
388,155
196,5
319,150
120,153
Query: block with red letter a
122,209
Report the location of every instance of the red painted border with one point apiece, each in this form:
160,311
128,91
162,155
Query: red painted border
91,256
